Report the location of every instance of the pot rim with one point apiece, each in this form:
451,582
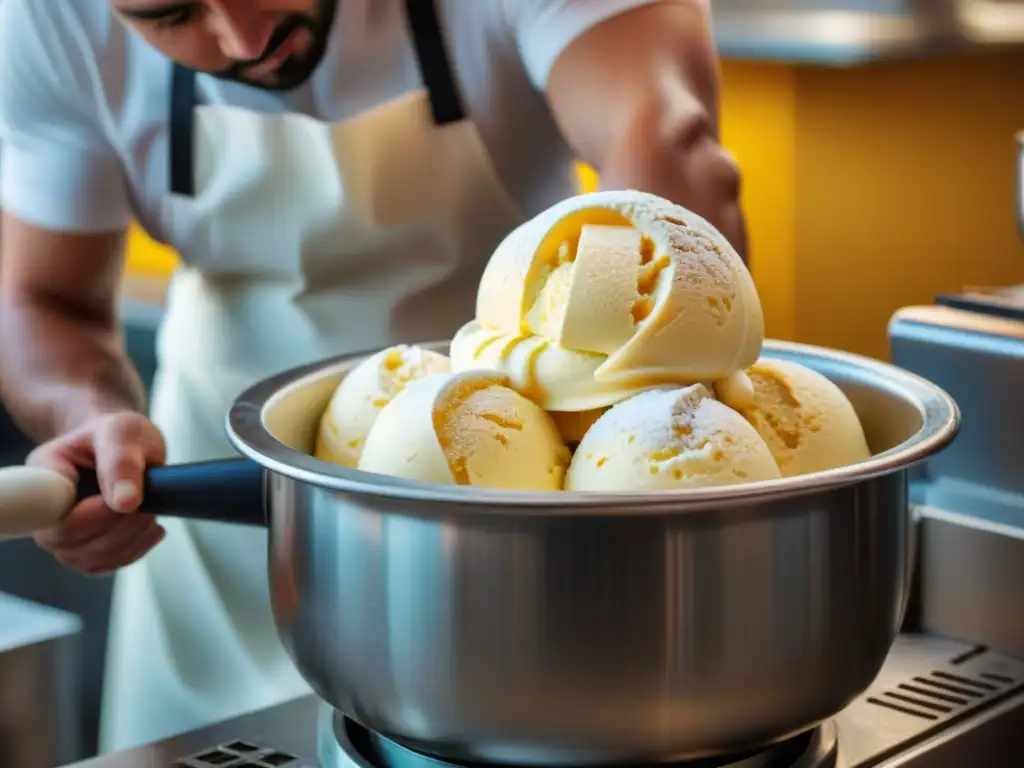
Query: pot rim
940,423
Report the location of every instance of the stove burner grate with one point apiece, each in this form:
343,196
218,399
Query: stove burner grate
238,754
353,746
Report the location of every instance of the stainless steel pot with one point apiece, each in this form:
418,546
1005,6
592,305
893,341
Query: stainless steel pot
544,628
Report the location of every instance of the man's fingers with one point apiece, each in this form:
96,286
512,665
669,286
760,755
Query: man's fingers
132,551
121,531
88,520
124,448
47,458
122,544
142,544
96,537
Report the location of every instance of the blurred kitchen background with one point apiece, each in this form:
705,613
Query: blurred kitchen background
876,139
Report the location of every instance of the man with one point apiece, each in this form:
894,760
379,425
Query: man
334,174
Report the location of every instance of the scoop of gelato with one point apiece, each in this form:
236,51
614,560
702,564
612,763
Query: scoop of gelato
806,420
669,439
362,395
605,295
469,428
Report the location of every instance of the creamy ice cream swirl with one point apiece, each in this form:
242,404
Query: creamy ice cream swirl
606,295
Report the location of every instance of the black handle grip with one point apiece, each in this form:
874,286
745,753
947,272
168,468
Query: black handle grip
994,306
228,491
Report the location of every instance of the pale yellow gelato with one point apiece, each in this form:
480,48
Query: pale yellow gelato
736,390
555,378
669,439
573,425
605,295
469,428
616,322
806,420
362,395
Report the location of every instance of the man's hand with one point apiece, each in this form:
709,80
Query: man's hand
637,98
68,383
104,533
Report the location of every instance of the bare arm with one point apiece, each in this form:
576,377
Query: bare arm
637,98
62,361
63,371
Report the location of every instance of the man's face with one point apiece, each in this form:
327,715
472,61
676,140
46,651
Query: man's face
271,44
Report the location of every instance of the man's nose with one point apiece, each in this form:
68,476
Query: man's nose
243,32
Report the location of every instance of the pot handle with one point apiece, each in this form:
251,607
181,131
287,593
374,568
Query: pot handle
229,491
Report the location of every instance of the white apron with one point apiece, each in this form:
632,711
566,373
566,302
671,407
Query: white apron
300,240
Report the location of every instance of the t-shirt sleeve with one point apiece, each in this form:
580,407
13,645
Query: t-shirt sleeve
57,168
545,28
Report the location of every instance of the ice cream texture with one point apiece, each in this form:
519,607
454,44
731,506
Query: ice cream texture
617,323
468,428
606,294
669,439
573,425
807,422
363,394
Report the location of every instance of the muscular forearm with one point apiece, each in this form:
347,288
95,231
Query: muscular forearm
637,97
678,157
59,367
61,358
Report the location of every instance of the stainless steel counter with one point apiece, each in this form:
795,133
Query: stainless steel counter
290,729
935,704
848,32
39,684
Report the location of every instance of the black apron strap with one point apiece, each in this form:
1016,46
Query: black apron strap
182,139
434,64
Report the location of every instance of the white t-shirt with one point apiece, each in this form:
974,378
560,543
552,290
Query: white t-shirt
84,101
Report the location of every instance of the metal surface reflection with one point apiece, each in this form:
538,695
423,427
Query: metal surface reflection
558,628
537,639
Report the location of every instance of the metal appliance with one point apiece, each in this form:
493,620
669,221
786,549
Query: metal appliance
39,684
972,564
847,32
568,629
938,702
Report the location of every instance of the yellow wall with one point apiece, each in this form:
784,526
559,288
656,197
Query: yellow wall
865,189
146,257
875,187
905,189
759,128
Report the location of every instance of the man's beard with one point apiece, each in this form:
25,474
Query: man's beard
298,67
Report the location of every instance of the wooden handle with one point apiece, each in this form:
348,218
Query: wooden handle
33,499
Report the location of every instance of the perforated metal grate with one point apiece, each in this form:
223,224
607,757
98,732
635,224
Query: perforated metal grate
943,694
239,754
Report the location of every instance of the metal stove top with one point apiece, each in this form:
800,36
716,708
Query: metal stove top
348,745
935,704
